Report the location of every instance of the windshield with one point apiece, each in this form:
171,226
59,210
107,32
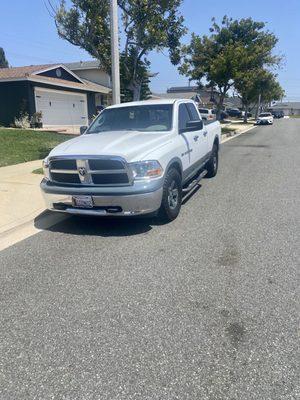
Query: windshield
146,118
265,115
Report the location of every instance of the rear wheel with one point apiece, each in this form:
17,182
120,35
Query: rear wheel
172,196
213,163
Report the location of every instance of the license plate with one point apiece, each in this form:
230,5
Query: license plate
83,201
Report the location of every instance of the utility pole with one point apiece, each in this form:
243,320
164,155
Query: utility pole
115,62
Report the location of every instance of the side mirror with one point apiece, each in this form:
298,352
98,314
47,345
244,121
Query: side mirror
83,129
196,125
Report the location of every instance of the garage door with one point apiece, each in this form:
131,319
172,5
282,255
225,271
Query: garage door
61,108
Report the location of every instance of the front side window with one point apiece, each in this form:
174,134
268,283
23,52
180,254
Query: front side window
184,117
145,118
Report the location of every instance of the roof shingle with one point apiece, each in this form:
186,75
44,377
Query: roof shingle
22,72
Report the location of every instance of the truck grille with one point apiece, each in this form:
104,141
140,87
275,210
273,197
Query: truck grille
108,171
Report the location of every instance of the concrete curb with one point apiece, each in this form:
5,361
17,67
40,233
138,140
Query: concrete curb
238,134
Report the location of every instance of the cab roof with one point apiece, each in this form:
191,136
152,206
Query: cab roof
150,102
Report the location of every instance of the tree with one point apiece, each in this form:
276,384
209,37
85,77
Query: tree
231,49
257,83
3,60
147,26
142,76
271,89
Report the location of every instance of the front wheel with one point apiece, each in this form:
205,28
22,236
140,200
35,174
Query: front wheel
172,196
213,163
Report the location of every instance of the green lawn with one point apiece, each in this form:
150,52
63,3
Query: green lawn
38,171
227,129
20,145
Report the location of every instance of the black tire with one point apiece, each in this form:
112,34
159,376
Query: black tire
172,196
213,163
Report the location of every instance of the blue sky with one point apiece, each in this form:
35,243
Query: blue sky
28,35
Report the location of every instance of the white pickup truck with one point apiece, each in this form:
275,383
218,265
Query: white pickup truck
135,158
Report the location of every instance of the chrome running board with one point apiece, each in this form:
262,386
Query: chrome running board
194,182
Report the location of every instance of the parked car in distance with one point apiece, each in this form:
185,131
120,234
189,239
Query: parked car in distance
223,114
277,114
135,158
265,119
207,114
234,112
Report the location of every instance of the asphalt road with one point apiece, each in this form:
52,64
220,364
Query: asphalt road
203,308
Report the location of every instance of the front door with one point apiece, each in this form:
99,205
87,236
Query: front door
195,141
199,136
188,154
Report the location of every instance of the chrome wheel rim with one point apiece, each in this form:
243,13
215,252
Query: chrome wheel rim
173,194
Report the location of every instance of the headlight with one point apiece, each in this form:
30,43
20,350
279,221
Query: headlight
146,170
46,169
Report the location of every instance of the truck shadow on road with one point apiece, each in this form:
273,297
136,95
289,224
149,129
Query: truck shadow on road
98,226
101,226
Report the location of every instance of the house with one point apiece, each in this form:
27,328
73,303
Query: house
288,107
65,97
201,96
233,102
92,71
184,95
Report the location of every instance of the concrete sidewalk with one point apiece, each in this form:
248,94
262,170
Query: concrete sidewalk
20,197
236,128
22,208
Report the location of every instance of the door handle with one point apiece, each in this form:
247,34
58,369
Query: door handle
196,138
204,133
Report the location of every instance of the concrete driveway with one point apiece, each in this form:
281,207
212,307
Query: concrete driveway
203,308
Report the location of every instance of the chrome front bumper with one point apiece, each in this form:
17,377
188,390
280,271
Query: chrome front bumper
264,122
133,204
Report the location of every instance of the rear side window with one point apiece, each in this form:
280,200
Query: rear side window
193,112
184,116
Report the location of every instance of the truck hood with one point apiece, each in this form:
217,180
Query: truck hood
131,145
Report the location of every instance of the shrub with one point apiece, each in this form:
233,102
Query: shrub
36,120
22,121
